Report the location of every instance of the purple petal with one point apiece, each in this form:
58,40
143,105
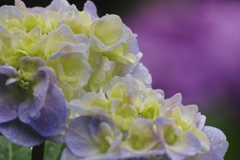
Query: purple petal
95,124
57,5
60,138
30,108
53,116
78,138
6,73
8,104
133,44
187,145
68,155
35,10
23,110
218,144
90,7
20,133
40,87
141,73
201,121
50,72
115,144
20,5
208,157
161,122
157,154
41,80
8,110
217,140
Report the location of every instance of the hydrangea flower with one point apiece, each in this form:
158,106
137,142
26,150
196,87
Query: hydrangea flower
142,140
61,27
151,125
179,144
92,137
58,41
76,78
70,75
32,108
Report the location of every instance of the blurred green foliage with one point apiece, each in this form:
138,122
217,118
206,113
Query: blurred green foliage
219,116
10,151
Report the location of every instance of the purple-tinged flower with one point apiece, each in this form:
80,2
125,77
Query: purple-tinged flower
218,144
32,107
141,141
54,6
178,144
90,7
92,137
89,104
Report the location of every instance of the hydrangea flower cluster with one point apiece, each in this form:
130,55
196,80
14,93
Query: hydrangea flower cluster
75,78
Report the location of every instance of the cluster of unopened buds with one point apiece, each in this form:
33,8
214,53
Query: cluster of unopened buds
72,77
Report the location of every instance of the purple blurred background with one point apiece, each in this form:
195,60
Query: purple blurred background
191,48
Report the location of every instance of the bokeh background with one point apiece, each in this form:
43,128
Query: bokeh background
189,46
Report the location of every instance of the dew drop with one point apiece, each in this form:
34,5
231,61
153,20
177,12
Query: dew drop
212,139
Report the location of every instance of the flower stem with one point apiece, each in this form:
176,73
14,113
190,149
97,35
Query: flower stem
38,152
9,151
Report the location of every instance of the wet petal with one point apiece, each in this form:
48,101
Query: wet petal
30,108
8,110
68,155
205,145
78,138
53,114
218,144
141,73
8,101
20,133
179,144
141,138
95,127
186,145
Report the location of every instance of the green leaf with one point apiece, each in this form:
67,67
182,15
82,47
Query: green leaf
3,148
53,151
10,151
